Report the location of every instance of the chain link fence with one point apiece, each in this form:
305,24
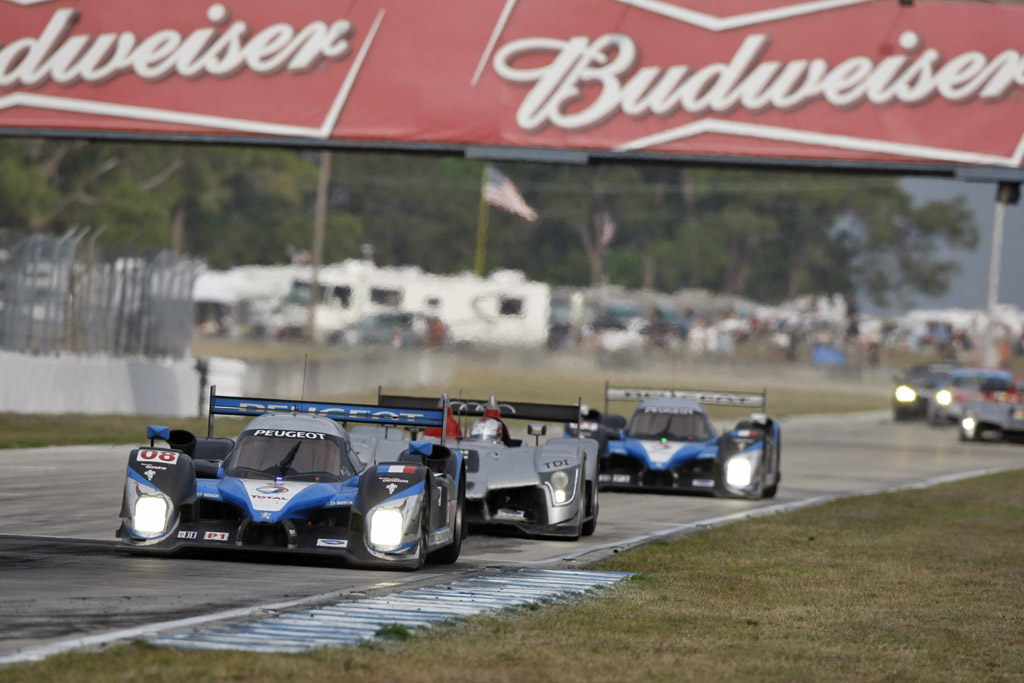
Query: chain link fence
61,294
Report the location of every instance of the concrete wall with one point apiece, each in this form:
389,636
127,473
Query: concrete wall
104,386
107,386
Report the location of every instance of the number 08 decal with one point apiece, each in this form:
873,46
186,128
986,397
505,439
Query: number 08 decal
165,457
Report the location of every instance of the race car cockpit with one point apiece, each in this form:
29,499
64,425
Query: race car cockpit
657,424
490,430
299,456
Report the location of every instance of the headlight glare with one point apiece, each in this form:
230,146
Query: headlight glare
905,394
738,472
386,526
968,424
943,397
150,514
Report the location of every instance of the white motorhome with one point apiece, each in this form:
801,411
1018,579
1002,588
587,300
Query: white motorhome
502,309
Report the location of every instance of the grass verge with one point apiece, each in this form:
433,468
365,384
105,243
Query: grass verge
916,586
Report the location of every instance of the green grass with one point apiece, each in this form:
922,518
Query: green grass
916,586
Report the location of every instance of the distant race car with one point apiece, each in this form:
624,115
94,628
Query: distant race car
965,385
291,482
916,388
671,445
538,489
1000,417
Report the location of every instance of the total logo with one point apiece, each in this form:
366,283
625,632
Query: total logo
270,490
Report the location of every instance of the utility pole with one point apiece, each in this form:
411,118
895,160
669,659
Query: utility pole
1008,193
318,239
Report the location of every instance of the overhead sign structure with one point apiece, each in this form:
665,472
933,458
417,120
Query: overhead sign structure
871,83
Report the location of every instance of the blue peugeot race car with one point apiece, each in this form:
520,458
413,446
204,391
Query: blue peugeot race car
292,482
671,445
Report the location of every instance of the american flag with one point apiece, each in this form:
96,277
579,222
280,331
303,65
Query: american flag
501,192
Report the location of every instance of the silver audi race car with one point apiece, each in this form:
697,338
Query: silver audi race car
292,482
537,489
671,445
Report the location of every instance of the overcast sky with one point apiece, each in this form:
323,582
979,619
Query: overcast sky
969,289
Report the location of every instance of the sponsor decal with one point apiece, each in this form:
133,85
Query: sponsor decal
288,434
396,469
441,535
669,410
216,536
850,80
621,478
152,456
188,534
391,488
660,453
209,496
150,474
276,499
332,543
557,464
509,514
341,503
394,480
604,477
704,483
336,411
265,515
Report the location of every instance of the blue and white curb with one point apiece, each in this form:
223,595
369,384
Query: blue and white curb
350,622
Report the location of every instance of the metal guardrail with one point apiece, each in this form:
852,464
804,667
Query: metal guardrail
60,297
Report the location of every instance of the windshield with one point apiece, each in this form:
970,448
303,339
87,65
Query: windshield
977,381
299,456
673,426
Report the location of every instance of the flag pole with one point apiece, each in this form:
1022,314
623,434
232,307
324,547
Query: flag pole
481,226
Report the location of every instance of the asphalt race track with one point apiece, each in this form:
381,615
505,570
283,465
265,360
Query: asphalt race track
62,575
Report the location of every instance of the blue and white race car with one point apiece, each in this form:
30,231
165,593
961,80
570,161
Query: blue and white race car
292,482
671,445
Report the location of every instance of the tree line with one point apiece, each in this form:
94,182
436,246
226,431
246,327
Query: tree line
766,235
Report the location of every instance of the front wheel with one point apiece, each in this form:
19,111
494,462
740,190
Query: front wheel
770,491
590,525
450,553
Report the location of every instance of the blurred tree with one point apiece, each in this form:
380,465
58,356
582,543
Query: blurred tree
764,235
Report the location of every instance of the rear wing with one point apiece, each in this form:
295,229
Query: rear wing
739,399
544,412
397,415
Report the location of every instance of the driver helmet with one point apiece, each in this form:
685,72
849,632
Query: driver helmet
486,429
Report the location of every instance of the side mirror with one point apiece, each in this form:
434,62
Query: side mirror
154,432
537,430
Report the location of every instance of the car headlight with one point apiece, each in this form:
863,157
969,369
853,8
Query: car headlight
150,515
944,397
968,423
386,527
905,394
738,471
562,485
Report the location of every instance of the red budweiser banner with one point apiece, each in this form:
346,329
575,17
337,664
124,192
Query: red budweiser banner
863,81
